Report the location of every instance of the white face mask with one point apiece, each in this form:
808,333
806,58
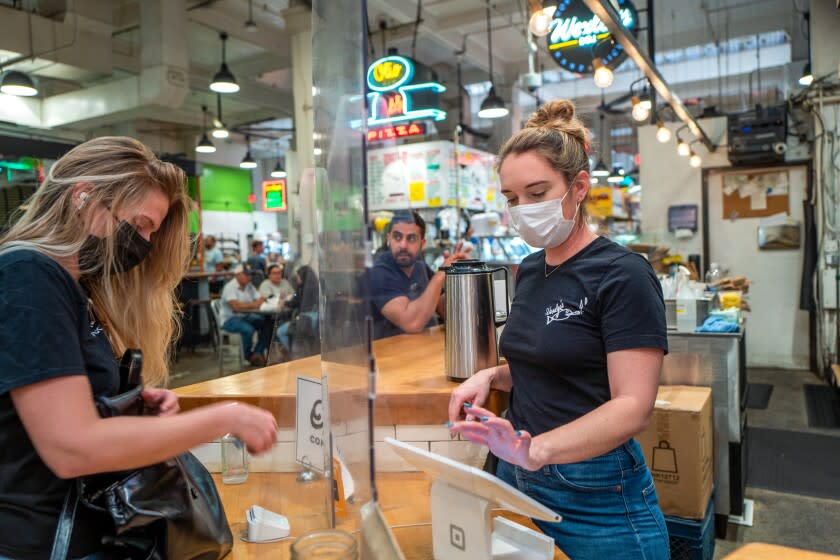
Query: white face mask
543,224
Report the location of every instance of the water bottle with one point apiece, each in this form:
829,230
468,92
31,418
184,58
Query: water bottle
234,460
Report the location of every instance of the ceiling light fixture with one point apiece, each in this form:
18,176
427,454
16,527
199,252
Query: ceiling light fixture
278,172
540,23
219,128
493,106
617,176
694,160
251,25
683,148
639,112
224,81
807,77
663,133
204,146
603,75
248,162
18,83
600,169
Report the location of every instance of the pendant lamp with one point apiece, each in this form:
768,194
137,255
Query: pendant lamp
493,106
18,83
248,162
224,81
204,146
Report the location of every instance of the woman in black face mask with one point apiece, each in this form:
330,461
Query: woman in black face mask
89,270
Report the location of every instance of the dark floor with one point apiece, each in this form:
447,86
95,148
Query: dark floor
779,518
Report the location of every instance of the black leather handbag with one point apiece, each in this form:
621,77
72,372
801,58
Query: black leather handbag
170,510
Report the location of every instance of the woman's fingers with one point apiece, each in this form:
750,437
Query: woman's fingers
477,411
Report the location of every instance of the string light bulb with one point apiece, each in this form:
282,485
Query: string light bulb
540,23
682,148
639,112
695,161
663,133
603,75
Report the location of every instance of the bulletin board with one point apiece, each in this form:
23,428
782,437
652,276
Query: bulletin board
756,194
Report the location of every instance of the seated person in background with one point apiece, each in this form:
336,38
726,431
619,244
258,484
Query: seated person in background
239,297
275,285
256,261
214,261
406,293
305,301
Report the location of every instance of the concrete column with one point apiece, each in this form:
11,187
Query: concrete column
302,225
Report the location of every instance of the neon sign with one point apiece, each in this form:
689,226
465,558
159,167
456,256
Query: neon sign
274,195
397,131
577,36
396,94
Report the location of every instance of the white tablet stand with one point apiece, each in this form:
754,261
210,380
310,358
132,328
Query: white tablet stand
462,497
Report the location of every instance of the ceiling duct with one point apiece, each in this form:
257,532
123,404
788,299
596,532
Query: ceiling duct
163,80
161,85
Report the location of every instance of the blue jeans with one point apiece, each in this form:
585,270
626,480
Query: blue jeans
283,330
246,326
94,556
609,505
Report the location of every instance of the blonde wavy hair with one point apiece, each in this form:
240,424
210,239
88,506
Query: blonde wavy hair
137,308
560,137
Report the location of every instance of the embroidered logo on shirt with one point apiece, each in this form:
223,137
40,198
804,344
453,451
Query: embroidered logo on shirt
560,312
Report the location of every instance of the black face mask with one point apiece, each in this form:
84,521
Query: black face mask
130,248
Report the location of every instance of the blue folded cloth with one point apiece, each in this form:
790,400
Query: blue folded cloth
717,325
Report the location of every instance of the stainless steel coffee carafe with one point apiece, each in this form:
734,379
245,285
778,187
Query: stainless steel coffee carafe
471,319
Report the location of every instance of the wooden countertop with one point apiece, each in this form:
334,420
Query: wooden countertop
412,388
761,551
404,499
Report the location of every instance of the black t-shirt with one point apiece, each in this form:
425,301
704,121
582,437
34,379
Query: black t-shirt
388,281
45,332
561,328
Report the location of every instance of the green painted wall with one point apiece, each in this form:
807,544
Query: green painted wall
225,184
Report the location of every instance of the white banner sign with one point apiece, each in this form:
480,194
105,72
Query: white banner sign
309,424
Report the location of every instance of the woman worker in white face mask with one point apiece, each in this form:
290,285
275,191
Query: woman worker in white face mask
584,343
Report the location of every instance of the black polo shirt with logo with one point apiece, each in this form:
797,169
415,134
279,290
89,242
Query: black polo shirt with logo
562,326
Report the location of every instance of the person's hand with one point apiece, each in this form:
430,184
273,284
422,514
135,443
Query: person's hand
260,300
256,427
160,402
458,255
473,391
506,443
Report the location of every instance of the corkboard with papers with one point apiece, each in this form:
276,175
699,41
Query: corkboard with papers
755,194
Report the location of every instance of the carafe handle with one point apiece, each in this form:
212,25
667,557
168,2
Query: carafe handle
507,291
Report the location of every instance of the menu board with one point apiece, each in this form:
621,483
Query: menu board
425,176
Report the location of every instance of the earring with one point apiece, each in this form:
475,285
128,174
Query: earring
83,196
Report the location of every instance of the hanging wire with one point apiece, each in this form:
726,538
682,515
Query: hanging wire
489,44
416,27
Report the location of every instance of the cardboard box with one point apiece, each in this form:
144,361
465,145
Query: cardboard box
678,446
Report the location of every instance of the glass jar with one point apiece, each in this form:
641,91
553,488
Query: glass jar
234,460
325,545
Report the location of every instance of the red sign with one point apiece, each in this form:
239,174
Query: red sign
398,131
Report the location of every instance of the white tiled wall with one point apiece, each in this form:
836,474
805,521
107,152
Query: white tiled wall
433,438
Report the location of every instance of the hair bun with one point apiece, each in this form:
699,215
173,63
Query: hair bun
557,113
